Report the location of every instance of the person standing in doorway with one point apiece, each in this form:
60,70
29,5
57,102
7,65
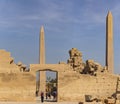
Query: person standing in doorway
42,97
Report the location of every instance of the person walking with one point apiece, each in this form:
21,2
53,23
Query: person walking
42,97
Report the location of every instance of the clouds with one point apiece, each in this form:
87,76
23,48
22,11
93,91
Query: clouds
73,23
27,14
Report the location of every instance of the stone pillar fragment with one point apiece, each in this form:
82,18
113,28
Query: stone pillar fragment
109,43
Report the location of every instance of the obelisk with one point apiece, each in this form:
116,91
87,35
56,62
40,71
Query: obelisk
109,43
42,46
42,60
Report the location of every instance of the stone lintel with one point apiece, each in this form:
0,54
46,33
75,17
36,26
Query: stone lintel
49,67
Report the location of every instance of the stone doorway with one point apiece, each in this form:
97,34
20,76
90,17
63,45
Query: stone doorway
49,83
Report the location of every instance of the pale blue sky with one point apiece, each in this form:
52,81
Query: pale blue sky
67,24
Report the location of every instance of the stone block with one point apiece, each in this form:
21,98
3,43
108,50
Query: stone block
118,89
118,81
119,78
118,85
118,96
88,98
111,101
80,103
117,102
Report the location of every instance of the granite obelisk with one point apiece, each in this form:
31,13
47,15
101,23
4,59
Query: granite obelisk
42,46
109,43
42,60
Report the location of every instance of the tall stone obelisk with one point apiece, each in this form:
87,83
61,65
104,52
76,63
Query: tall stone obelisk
42,60
42,46
109,43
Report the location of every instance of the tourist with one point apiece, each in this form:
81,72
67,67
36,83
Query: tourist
46,95
37,93
42,97
49,95
54,95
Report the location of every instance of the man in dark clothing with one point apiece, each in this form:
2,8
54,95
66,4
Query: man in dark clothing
42,97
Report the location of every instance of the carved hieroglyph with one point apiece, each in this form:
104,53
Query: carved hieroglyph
109,43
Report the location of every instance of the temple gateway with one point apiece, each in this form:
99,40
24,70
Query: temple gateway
76,80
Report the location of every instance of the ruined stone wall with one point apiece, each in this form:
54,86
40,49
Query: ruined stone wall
7,64
74,87
17,87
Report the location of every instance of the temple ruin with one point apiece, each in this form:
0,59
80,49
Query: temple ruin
76,80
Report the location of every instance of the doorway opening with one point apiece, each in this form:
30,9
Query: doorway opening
50,85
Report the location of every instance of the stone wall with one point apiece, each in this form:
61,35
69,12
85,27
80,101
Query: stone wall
17,87
74,87
7,64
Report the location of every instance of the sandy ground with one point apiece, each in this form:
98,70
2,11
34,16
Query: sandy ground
38,103
46,103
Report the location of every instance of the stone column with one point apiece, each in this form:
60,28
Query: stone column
42,60
109,43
